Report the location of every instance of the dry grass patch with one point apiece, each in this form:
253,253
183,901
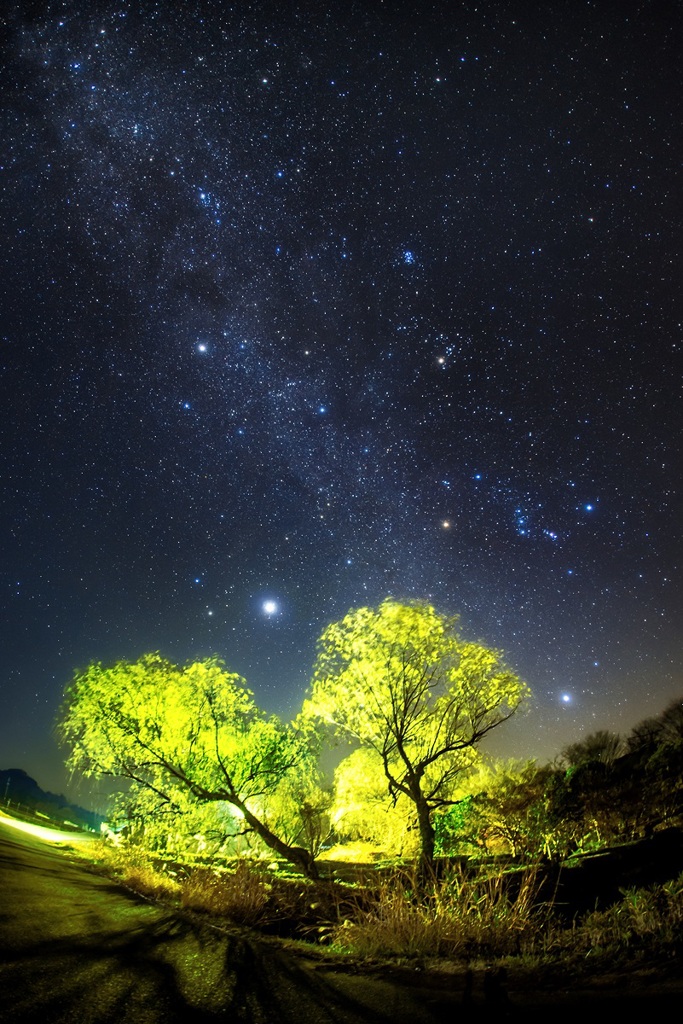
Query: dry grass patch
241,895
133,869
461,917
458,916
150,882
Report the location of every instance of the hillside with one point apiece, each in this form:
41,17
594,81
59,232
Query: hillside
18,791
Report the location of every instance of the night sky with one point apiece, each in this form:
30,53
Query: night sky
308,304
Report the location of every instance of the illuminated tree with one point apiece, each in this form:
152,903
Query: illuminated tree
298,810
363,809
400,680
182,829
186,737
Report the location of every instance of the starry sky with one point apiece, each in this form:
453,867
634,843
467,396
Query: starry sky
306,304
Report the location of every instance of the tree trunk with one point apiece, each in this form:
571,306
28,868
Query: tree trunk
427,835
294,854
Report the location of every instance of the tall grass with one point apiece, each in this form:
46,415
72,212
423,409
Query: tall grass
130,866
458,916
241,895
150,882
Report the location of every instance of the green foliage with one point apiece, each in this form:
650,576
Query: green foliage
516,805
455,828
155,722
363,809
643,915
186,737
400,680
412,679
519,809
186,829
299,809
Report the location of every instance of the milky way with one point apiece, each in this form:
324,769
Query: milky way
308,305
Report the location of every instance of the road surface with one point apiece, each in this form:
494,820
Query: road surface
77,948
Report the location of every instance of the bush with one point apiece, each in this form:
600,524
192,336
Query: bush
641,917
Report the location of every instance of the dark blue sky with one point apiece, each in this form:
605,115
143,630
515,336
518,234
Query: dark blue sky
318,303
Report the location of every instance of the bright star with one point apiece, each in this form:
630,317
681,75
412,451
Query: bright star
270,607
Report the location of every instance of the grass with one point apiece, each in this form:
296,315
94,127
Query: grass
241,895
458,916
389,917
133,869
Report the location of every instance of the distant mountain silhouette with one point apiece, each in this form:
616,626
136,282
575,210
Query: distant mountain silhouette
19,789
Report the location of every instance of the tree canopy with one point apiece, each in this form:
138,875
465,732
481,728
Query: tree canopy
401,680
602,746
363,810
184,736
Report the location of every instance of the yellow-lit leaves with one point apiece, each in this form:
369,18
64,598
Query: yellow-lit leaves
400,679
196,724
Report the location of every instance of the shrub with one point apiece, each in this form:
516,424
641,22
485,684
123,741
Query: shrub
642,916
